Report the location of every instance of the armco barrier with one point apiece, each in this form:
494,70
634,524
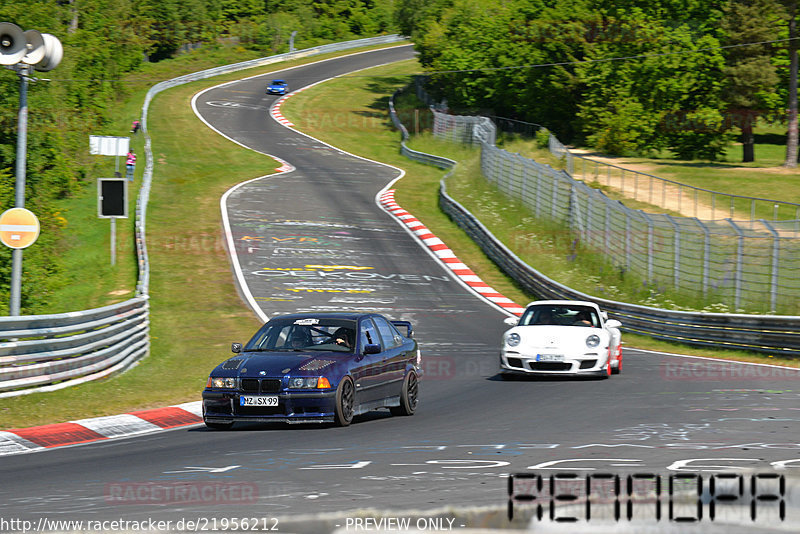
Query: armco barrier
773,334
49,352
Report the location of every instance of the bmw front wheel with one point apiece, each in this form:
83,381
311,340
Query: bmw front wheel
345,402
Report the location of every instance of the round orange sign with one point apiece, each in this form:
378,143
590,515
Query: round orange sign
19,228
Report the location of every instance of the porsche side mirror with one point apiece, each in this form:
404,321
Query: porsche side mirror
236,348
511,321
613,323
372,349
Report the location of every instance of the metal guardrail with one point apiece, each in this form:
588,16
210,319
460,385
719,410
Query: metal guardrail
48,352
773,334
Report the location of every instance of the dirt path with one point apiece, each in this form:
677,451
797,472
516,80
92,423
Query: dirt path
628,182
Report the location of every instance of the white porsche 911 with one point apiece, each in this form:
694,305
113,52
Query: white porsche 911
559,337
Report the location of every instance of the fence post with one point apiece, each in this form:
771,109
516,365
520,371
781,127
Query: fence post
607,227
649,245
714,205
538,190
676,255
776,253
589,219
574,212
739,253
554,200
627,240
706,253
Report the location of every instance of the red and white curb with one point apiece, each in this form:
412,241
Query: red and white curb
447,256
44,437
285,165
275,110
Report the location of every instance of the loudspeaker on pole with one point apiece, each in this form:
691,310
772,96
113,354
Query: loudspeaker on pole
13,45
53,52
35,47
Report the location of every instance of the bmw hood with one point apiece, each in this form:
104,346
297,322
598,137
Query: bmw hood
281,363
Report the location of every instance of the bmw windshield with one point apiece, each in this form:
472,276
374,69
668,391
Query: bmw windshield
306,334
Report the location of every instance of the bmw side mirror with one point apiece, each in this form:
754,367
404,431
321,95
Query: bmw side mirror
511,321
372,349
236,348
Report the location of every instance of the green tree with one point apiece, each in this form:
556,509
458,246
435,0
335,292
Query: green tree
790,8
644,89
750,76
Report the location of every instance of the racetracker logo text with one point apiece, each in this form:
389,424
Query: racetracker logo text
701,371
181,493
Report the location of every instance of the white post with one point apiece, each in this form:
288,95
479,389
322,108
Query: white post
113,240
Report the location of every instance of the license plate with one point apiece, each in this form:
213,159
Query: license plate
271,400
549,357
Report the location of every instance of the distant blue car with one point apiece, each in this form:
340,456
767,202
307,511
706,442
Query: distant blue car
316,368
277,87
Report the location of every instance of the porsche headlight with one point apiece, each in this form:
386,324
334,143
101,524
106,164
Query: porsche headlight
592,341
513,340
303,383
222,383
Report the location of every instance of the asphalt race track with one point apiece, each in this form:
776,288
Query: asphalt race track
315,239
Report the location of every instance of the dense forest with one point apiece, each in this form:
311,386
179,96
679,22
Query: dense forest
623,76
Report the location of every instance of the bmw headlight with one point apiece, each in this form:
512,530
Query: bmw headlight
303,383
221,383
592,341
513,340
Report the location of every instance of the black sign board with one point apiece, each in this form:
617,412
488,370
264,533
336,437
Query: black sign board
112,197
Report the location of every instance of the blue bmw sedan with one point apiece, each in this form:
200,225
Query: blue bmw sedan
277,87
316,367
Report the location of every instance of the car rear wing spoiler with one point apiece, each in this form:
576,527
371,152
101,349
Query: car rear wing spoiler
405,324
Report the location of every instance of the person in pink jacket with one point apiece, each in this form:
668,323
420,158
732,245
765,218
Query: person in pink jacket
130,163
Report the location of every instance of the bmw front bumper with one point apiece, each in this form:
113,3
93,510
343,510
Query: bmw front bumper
299,407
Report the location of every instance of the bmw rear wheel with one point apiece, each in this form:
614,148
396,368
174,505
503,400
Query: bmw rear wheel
345,402
408,396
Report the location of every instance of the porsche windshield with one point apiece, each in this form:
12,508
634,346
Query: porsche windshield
559,314
305,334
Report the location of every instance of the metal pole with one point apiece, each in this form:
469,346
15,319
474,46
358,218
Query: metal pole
22,141
739,253
113,240
776,255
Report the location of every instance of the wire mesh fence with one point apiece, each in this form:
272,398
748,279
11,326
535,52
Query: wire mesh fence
749,263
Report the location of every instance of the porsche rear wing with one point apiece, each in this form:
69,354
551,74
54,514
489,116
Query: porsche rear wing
407,325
